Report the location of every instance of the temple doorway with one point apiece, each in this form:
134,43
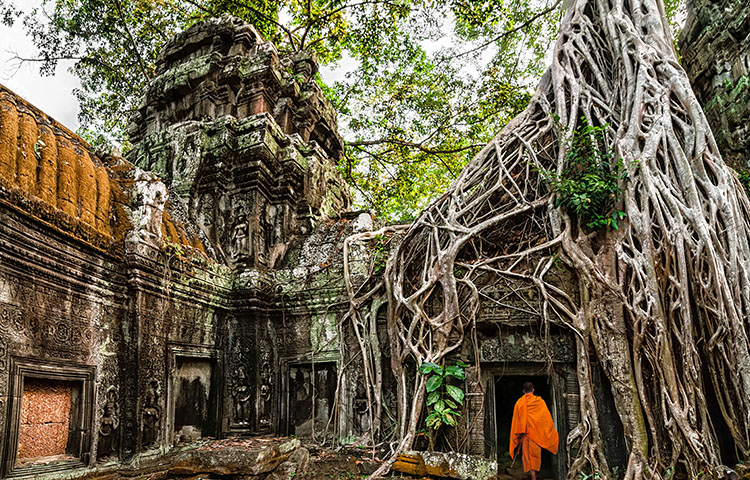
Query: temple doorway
50,412
50,416
194,386
194,399
508,389
312,393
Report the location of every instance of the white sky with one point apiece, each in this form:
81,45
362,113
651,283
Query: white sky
52,94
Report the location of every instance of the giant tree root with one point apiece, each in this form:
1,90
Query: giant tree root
664,302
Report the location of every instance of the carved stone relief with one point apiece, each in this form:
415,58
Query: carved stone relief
152,414
526,347
239,245
109,423
241,396
266,383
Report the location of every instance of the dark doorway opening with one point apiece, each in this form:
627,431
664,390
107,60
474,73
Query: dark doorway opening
194,399
312,392
508,389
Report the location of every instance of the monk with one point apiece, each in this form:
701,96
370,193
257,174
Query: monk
532,429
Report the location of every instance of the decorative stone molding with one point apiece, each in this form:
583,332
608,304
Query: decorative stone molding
84,376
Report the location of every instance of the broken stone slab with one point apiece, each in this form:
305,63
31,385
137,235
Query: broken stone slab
446,464
235,460
295,466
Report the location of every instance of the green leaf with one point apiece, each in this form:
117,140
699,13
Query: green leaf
433,383
450,420
456,372
451,403
456,393
432,420
428,367
433,397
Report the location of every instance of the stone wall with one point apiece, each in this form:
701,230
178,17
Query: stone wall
67,307
47,171
715,50
136,289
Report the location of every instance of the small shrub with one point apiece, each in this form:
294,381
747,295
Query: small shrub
744,176
443,399
588,187
379,255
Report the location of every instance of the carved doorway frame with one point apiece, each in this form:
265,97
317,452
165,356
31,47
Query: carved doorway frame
22,368
287,363
557,386
199,352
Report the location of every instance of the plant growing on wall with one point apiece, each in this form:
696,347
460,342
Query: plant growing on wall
743,174
588,185
443,399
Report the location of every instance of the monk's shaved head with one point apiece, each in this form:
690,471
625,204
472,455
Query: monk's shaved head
528,387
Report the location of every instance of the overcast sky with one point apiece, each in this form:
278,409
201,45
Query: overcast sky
53,95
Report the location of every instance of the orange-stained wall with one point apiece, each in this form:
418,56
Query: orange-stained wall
44,159
45,418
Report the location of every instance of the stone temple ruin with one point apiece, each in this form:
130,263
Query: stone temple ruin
195,289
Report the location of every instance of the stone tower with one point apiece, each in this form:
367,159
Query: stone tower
244,137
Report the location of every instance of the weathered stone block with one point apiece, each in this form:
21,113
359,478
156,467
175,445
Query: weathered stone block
447,465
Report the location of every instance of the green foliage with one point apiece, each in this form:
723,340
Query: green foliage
443,399
415,114
379,255
172,248
112,45
429,81
743,174
590,476
588,186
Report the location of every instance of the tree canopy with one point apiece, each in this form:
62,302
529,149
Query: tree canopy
428,82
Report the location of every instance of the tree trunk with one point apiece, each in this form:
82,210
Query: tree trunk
663,300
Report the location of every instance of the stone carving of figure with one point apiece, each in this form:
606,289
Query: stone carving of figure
151,414
262,238
240,244
361,418
264,414
265,401
146,214
204,212
241,394
110,421
278,225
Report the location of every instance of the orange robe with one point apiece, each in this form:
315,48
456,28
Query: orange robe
532,422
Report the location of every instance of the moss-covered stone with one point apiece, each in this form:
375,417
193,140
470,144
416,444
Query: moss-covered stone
715,48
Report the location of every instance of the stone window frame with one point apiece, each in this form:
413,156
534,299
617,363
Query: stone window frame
25,367
205,352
